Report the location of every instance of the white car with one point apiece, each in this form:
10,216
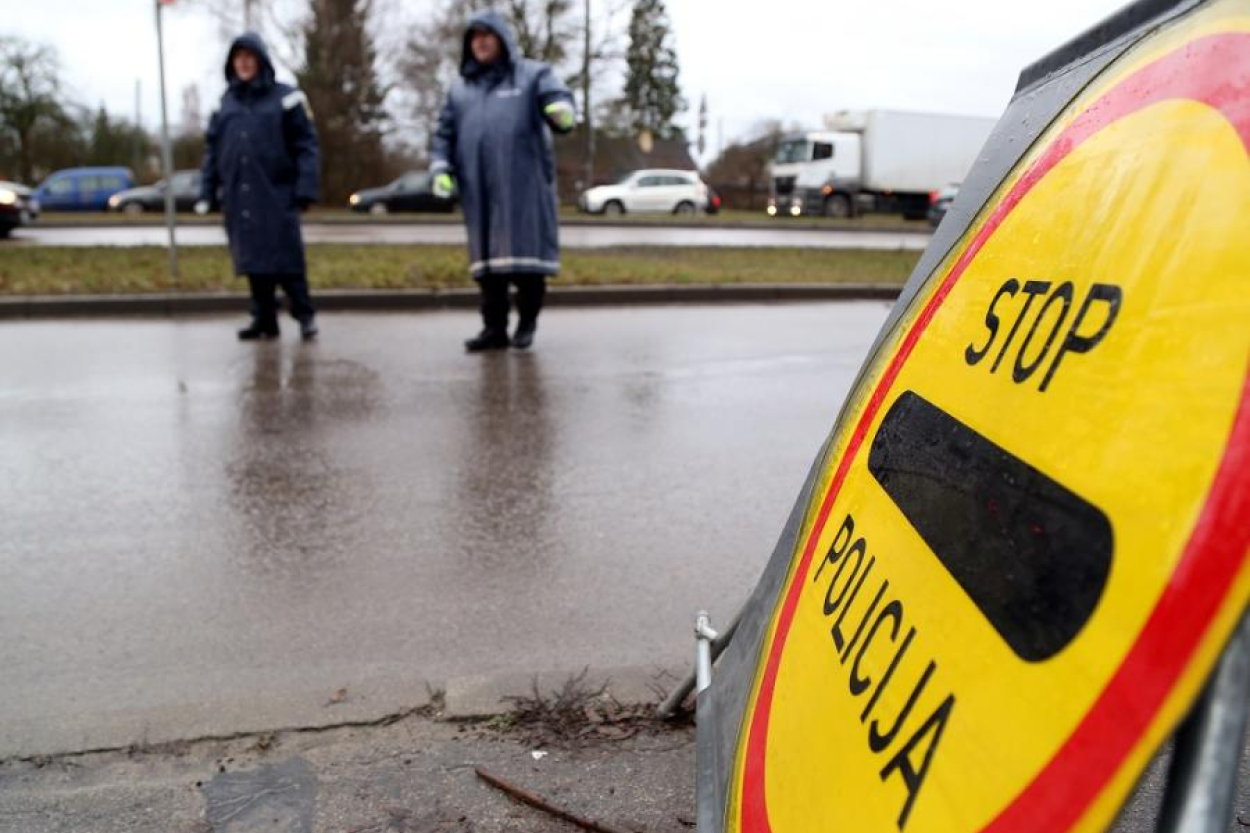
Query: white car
660,191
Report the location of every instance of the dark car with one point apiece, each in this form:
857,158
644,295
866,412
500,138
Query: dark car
18,207
939,202
411,192
152,197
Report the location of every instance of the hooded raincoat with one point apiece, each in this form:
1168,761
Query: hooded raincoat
493,137
261,164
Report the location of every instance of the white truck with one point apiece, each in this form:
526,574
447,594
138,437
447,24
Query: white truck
873,160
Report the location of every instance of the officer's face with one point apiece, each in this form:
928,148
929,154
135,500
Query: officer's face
485,46
245,64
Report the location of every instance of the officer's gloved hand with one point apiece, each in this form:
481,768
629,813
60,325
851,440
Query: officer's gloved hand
304,203
560,116
202,207
444,186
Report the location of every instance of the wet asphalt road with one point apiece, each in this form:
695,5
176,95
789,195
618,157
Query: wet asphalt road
194,526
579,236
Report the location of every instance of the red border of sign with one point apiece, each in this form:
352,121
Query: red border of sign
1213,70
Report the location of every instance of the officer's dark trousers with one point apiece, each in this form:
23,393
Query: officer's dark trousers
265,301
530,291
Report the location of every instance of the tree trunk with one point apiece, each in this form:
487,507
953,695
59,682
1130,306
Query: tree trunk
25,153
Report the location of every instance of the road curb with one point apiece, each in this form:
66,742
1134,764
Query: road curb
788,224
71,306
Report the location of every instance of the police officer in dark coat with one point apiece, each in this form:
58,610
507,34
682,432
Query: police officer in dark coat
261,166
494,143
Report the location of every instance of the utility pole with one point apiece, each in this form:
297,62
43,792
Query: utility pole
702,140
138,103
247,14
167,152
588,122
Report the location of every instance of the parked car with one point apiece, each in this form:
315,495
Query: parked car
663,191
18,207
82,189
940,201
152,197
411,192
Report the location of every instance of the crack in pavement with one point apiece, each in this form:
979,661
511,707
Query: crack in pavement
179,746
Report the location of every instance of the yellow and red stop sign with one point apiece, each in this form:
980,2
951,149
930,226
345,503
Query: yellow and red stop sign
1029,541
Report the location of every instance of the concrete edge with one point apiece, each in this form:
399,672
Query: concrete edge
365,701
70,306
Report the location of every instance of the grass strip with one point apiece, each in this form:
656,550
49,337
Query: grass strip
140,270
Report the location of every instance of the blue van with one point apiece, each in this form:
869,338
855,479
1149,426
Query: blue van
82,189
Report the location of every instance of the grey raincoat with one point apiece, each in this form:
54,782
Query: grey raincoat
492,136
261,163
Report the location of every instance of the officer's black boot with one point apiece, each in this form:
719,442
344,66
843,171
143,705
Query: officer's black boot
529,303
524,335
494,334
302,310
264,309
259,330
487,340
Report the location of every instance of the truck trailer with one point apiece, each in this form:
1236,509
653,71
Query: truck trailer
873,161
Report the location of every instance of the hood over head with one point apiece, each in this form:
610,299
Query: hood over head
491,21
256,45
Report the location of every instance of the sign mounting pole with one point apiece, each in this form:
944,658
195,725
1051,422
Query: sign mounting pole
1202,780
167,155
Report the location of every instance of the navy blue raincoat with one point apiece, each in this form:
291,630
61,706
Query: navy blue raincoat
492,136
261,165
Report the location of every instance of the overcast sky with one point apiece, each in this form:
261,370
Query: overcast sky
792,60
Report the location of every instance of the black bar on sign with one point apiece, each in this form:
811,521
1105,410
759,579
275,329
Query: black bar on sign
1032,555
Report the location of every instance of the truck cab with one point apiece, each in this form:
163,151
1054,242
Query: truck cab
815,173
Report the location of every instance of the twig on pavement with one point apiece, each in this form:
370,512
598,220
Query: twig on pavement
541,803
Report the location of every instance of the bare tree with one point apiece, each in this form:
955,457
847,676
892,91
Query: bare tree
542,28
30,99
279,22
602,51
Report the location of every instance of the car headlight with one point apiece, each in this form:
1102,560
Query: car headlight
7,197
353,199
114,201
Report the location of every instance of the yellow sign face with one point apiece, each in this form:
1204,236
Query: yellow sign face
1029,542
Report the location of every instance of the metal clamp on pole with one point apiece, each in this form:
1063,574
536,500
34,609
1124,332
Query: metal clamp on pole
704,636
716,644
